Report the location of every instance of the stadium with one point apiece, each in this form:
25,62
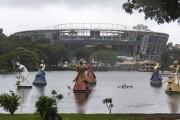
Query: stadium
135,42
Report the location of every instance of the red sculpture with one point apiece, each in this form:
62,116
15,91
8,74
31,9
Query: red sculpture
82,82
91,74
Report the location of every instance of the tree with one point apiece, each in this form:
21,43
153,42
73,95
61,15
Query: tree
42,40
3,38
27,57
52,52
160,10
169,55
82,53
166,60
14,42
108,102
99,47
29,52
176,54
46,106
63,54
9,102
6,60
105,57
42,55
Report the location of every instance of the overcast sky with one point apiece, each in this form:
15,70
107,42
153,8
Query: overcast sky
20,15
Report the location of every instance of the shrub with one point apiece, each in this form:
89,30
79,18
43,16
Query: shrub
46,106
9,102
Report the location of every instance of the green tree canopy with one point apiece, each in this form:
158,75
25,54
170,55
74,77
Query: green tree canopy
29,51
7,60
55,53
82,53
106,57
42,40
99,47
27,57
9,102
159,10
3,38
169,56
47,108
42,55
14,42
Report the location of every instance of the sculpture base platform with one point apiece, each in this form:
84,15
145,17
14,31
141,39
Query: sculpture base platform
39,82
155,83
172,92
24,87
82,91
92,83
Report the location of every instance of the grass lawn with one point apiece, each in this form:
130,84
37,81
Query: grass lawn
74,117
95,117
102,117
19,117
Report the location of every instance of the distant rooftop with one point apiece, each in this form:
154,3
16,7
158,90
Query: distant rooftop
141,27
177,45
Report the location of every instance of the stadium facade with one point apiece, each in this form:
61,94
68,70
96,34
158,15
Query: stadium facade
125,41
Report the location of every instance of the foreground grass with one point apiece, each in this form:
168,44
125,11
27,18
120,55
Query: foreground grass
19,117
74,117
102,117
96,117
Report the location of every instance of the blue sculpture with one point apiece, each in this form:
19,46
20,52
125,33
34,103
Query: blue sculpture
40,76
156,78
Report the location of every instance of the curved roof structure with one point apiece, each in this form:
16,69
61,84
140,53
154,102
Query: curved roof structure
124,40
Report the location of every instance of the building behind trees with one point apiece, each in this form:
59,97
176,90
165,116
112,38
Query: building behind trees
137,42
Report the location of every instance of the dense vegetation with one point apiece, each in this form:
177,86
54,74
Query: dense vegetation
169,55
29,51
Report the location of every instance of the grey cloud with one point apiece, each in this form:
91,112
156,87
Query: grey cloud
26,3
71,3
92,2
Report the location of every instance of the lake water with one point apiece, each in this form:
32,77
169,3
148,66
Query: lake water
142,98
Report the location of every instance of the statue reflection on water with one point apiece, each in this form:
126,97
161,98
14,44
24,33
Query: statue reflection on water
24,94
36,92
81,100
39,89
28,95
174,103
